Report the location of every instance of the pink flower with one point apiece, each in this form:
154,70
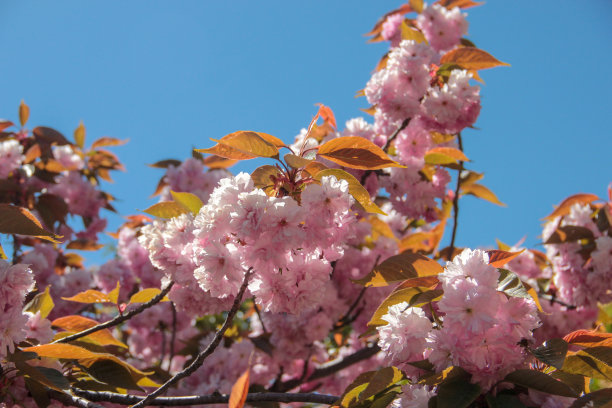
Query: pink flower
11,157
443,28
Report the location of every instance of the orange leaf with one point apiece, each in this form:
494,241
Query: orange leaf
481,191
59,350
108,141
409,33
84,245
315,167
5,124
357,153
444,155
565,206
359,193
79,135
400,267
218,162
589,338
417,5
24,113
251,143
90,296
76,324
240,389
463,4
18,220
471,58
327,114
498,258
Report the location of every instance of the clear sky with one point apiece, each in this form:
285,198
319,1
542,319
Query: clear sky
169,75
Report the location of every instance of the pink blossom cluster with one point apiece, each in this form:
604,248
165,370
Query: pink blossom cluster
11,157
68,158
190,176
15,282
442,28
79,194
480,328
289,246
581,280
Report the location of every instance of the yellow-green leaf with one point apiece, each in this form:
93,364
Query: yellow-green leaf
414,296
444,155
188,200
24,113
79,135
357,153
2,253
471,58
409,33
113,295
145,295
481,191
359,193
167,209
400,267
43,303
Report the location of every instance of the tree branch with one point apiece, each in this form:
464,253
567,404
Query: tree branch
451,247
199,360
553,299
208,399
119,318
331,367
390,140
72,400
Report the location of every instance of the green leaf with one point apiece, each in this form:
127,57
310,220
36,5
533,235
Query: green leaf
190,201
582,363
511,284
359,193
44,375
541,382
167,209
382,379
552,352
351,393
400,267
457,393
43,303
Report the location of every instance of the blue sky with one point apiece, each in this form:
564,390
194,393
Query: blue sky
170,75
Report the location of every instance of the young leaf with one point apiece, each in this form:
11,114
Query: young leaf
263,178
18,220
64,351
552,352
164,164
463,4
24,113
90,296
226,152
471,58
589,338
417,5
314,168
541,382
327,114
296,162
240,389
167,209
409,33
251,143
498,258
399,268
111,372
5,124
584,364
511,284
359,193
43,303
145,295
2,253
108,141
412,296
565,206
444,155
113,295
357,153
570,233
481,191
76,324
188,200
218,162
79,135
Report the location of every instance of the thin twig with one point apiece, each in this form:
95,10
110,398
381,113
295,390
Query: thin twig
451,247
331,367
199,360
119,318
209,399
173,336
553,299
391,138
72,400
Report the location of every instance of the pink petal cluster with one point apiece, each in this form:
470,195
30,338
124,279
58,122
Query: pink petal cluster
482,328
391,29
190,176
79,194
68,158
443,28
11,157
15,282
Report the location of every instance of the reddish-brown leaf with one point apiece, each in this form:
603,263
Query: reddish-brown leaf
499,258
164,164
400,267
327,114
565,206
217,162
18,220
5,124
570,233
589,338
357,153
76,324
471,58
84,245
240,389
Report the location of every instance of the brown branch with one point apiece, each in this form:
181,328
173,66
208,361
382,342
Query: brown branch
553,299
72,400
208,399
451,247
331,367
119,318
199,360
